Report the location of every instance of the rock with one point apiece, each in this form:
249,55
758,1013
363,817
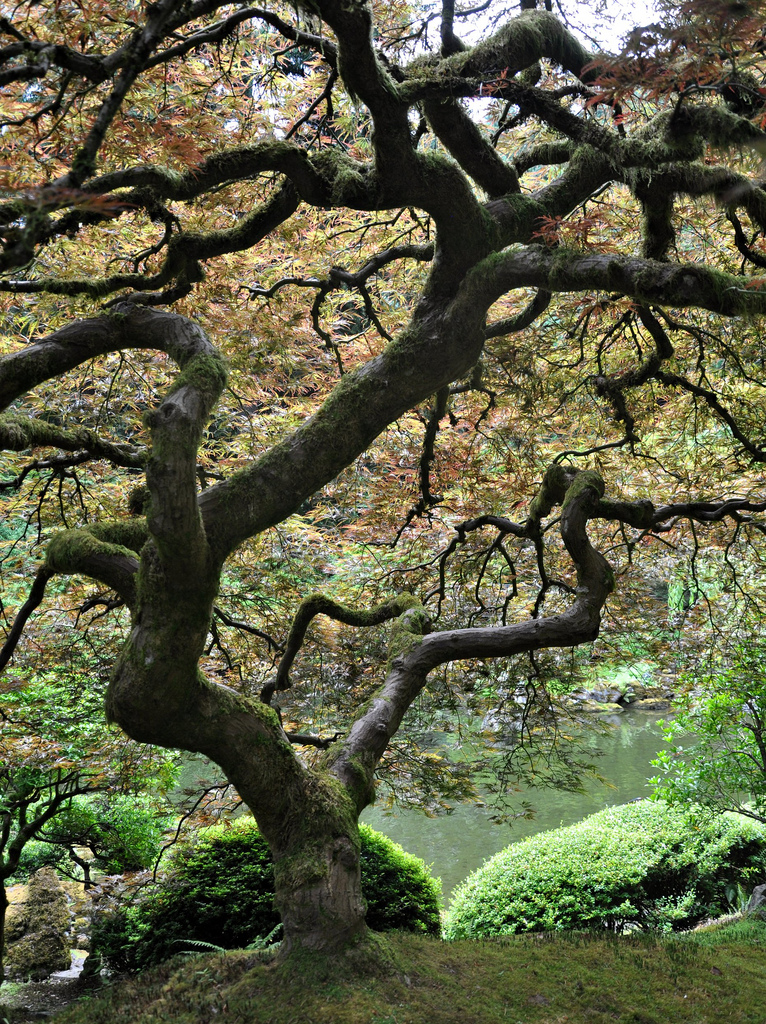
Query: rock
500,723
651,704
664,690
610,708
598,695
602,708
757,902
606,694
16,914
37,922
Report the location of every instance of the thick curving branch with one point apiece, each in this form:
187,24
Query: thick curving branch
105,552
431,353
368,79
414,650
518,45
126,326
645,515
438,347
321,604
547,153
157,693
108,552
522,320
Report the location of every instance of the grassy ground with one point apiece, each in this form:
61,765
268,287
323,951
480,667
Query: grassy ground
716,977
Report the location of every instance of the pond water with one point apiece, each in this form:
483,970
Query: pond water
458,843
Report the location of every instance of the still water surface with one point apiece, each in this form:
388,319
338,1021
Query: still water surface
458,843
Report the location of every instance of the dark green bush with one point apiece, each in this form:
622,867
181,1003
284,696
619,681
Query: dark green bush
643,864
221,891
400,891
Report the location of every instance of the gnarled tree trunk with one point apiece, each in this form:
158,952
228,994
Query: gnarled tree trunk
319,894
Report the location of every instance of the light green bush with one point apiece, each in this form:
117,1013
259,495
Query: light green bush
124,833
221,889
642,864
716,753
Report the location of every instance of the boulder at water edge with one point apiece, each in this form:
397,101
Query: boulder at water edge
36,925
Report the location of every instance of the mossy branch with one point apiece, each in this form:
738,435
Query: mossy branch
185,252
649,282
519,44
321,604
17,433
177,426
465,142
126,326
105,552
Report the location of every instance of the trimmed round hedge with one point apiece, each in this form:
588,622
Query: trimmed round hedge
221,891
643,865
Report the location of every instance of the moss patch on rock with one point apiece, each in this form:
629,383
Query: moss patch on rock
37,922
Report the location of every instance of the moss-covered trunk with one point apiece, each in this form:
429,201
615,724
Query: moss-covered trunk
313,833
318,893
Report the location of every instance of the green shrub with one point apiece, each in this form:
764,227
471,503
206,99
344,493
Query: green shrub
716,753
643,865
221,891
36,855
121,832
400,891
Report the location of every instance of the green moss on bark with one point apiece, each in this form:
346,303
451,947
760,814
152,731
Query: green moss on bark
408,631
588,479
68,551
552,491
207,374
323,814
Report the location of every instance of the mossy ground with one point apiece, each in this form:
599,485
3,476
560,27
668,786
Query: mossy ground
701,978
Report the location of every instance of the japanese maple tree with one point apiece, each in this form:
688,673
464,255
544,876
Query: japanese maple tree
519,238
